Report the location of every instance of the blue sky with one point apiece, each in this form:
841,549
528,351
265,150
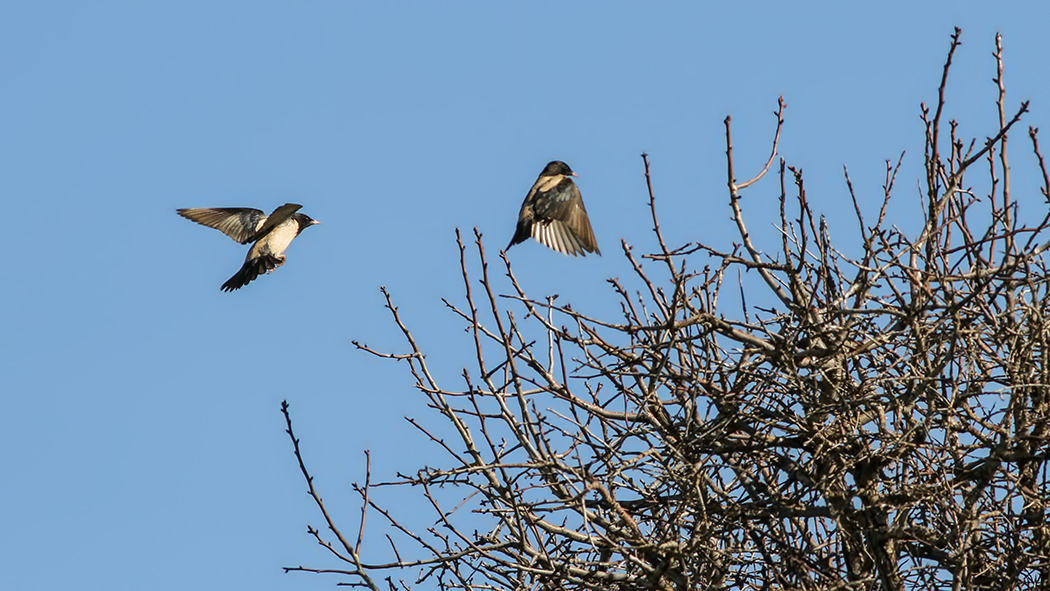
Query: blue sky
142,443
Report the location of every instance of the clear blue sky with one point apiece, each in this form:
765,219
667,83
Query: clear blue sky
142,446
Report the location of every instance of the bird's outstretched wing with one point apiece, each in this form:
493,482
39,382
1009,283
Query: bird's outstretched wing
240,223
279,216
561,220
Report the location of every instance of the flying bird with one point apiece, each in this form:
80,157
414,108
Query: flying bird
271,235
553,214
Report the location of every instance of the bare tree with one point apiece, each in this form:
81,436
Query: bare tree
881,425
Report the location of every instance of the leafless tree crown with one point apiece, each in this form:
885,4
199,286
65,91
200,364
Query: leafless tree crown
882,425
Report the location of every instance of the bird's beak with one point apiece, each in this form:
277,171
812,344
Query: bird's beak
575,175
315,222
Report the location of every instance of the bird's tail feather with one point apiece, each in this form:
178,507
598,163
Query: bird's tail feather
251,270
521,234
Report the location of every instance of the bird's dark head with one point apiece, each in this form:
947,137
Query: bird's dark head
305,221
556,167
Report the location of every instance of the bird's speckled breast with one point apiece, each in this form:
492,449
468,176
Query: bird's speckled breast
547,183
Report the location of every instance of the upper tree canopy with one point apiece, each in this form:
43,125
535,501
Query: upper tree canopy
882,425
